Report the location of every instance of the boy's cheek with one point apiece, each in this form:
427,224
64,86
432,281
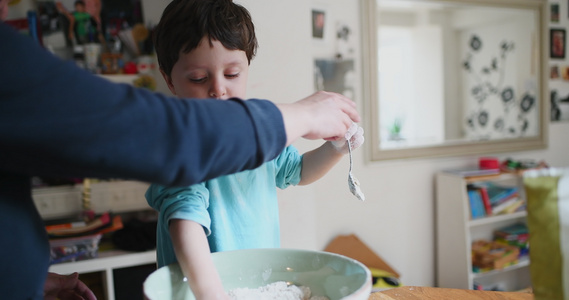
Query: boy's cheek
186,92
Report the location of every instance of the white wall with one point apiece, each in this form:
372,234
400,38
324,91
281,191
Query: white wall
397,219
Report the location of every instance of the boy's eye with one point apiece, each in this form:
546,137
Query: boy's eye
232,75
198,80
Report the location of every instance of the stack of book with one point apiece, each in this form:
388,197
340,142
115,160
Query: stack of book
72,240
488,199
103,223
515,235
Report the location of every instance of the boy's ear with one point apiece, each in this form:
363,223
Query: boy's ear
168,80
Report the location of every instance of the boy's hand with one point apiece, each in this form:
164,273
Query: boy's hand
356,136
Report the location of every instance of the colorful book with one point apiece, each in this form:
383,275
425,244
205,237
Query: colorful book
514,207
516,235
71,224
486,200
472,205
513,232
78,228
498,194
480,203
476,207
504,198
497,209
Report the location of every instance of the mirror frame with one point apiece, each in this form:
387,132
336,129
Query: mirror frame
370,91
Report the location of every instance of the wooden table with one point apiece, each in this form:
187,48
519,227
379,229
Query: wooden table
431,293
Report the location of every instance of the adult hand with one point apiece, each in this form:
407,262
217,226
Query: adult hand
356,136
66,287
322,115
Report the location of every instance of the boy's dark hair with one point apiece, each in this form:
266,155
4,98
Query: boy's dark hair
185,22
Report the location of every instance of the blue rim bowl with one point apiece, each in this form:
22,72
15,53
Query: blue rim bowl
326,274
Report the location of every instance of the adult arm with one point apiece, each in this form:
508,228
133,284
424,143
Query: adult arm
59,120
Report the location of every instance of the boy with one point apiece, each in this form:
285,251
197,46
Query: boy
204,49
80,22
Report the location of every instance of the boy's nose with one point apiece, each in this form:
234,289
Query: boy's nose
217,90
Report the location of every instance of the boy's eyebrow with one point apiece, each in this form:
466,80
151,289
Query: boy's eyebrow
230,63
236,62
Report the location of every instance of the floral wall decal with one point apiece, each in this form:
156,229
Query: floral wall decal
498,106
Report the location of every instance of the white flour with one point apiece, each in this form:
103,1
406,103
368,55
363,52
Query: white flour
277,290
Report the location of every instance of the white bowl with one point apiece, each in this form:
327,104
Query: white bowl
326,274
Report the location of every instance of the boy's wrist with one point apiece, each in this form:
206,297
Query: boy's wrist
340,146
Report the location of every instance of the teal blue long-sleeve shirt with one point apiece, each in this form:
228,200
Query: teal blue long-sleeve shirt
238,211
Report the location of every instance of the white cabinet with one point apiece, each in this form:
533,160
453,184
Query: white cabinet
107,263
123,197
117,196
456,232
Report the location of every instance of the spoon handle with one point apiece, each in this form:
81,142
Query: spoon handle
350,154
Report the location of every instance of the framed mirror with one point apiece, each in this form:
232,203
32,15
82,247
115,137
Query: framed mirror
454,77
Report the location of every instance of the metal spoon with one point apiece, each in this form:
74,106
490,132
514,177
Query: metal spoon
353,182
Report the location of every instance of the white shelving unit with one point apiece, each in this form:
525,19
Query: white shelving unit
106,263
115,196
456,232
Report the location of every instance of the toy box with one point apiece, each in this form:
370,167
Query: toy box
487,255
74,249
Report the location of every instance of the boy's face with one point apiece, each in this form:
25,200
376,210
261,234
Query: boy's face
209,72
79,7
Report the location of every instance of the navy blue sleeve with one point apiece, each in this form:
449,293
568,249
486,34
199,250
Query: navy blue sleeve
59,120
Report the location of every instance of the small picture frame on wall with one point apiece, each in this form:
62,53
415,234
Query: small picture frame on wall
554,72
554,14
318,22
557,43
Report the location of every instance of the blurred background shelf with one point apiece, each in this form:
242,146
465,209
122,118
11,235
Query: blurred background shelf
456,231
498,218
523,262
106,261
113,274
